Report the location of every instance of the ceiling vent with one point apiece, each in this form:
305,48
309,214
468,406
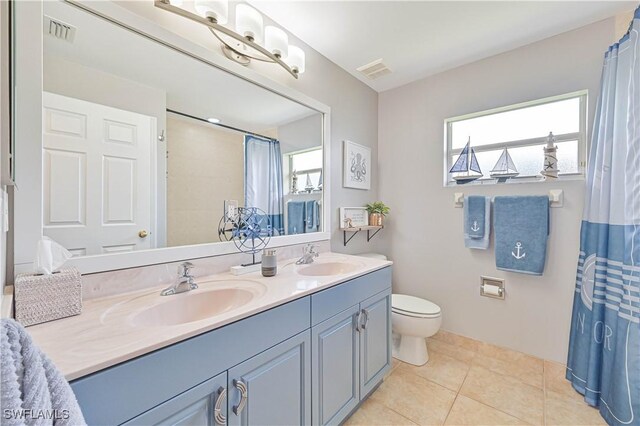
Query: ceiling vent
374,69
59,29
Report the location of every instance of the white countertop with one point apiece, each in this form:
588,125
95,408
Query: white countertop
105,333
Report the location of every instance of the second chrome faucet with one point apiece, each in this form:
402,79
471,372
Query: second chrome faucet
308,255
184,281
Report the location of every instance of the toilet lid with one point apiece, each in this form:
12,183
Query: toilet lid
415,306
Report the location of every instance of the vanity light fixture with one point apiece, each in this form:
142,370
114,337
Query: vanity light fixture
249,40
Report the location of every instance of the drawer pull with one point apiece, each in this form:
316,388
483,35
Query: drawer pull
242,387
220,418
366,319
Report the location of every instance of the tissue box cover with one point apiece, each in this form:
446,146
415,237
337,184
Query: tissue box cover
42,298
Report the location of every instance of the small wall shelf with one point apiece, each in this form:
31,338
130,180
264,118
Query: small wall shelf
357,229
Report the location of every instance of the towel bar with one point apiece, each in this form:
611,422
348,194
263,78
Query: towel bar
556,198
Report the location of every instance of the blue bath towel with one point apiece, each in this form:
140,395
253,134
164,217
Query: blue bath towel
477,222
522,228
311,213
295,217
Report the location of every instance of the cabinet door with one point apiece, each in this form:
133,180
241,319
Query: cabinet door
375,340
334,367
274,387
204,404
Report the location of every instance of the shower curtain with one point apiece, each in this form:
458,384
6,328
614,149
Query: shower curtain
263,179
604,348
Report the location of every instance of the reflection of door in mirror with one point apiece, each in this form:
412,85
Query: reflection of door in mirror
98,195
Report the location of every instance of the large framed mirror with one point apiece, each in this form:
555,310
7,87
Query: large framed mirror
145,146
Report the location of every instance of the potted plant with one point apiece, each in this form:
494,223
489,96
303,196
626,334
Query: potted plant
377,211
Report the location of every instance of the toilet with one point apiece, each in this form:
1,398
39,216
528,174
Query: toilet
413,320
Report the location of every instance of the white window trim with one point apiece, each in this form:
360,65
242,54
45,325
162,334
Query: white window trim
290,155
580,136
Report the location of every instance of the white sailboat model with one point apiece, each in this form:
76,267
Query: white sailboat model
504,168
465,164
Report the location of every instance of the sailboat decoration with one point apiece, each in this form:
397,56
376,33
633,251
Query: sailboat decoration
465,164
504,168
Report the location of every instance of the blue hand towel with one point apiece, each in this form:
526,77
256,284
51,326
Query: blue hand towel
311,212
522,229
295,217
477,222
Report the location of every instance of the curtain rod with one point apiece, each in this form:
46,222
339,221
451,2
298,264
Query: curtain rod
220,125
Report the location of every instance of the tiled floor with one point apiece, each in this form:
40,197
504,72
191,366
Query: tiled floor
467,382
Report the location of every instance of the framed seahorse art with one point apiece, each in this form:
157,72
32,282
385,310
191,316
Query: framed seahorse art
357,166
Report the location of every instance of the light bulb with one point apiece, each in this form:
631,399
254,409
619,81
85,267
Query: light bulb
295,59
217,10
276,41
249,22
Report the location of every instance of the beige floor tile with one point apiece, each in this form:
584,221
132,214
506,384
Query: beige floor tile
395,364
504,393
374,413
457,352
418,399
466,411
505,354
525,368
457,340
555,380
441,369
560,410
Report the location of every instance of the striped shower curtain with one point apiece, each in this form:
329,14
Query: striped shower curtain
604,348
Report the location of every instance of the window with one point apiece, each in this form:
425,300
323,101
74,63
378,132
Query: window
305,163
523,129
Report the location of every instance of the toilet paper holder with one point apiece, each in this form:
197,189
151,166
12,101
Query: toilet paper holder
492,287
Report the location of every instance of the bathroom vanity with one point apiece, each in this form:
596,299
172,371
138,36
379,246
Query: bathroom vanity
306,348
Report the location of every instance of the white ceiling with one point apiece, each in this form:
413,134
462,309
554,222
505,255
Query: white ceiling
420,38
191,86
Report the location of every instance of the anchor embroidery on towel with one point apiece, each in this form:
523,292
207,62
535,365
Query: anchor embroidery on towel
475,227
517,255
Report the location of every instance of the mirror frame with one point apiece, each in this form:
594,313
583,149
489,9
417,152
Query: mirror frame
27,109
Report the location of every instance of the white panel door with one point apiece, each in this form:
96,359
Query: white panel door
98,189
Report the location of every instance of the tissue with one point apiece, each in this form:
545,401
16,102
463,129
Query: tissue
50,256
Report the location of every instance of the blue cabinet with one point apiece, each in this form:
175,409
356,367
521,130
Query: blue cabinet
335,374
351,355
203,405
375,341
273,388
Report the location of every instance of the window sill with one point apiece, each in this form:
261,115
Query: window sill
525,179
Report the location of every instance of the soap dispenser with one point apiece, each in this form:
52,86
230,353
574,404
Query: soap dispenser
269,263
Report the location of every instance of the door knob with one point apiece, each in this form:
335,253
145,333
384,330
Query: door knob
143,233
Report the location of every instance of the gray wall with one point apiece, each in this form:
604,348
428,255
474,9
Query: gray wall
354,111
425,239
305,133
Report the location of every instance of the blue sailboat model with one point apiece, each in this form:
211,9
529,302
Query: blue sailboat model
465,164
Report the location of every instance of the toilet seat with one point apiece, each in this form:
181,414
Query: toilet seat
416,307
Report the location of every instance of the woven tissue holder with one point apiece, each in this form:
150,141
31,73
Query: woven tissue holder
42,298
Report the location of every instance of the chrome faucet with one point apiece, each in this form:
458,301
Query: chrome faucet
183,283
308,254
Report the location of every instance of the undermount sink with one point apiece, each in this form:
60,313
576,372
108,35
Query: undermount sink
326,269
193,306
